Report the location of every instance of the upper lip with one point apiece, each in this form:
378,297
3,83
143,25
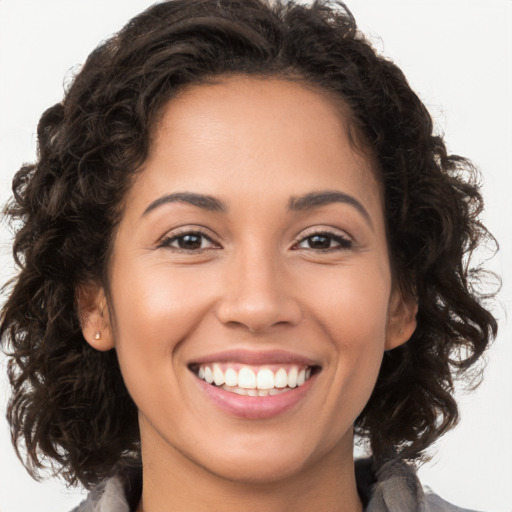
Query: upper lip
255,358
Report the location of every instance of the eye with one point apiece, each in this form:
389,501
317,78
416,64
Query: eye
324,241
193,241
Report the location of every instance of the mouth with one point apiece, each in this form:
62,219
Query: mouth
254,380
255,385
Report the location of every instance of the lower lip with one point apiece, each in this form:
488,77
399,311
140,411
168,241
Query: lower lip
256,407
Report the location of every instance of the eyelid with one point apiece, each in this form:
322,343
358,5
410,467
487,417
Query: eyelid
180,231
323,229
334,233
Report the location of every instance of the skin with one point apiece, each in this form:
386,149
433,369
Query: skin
256,281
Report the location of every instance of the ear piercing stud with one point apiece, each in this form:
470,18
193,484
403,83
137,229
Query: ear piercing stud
97,335
399,332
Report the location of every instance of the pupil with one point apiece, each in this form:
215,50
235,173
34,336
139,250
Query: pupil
319,242
189,242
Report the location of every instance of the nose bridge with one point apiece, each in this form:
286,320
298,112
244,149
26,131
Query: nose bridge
256,295
259,276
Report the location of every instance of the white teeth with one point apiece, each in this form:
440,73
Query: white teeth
246,380
218,375
237,390
301,378
208,375
254,392
265,379
292,377
231,377
281,378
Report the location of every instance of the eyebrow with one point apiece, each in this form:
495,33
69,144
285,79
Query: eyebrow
306,202
205,202
323,198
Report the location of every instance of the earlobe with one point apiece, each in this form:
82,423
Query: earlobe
94,316
403,308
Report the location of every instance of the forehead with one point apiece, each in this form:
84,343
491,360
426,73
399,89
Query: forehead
243,132
245,92
235,96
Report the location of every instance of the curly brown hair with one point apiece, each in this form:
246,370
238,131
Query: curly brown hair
69,402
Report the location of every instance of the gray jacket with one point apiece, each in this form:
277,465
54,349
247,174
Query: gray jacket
393,487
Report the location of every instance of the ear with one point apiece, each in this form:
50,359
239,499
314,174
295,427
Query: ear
403,308
94,316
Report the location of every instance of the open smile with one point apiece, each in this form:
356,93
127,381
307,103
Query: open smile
266,380
255,387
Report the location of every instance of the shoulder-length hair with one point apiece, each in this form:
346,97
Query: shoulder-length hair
69,402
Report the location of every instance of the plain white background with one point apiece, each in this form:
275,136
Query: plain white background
457,54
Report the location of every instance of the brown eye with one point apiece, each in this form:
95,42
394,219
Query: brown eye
319,242
193,241
190,242
325,242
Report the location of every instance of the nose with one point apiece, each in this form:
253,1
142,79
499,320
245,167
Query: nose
257,294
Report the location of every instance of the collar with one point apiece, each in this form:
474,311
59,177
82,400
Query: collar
392,486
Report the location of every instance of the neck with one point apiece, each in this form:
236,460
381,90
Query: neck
176,483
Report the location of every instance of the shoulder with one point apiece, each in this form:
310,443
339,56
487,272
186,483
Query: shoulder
437,504
394,487
389,487
119,493
107,496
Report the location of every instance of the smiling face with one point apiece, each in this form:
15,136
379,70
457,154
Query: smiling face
251,259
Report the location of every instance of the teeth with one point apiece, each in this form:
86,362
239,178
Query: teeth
292,378
231,377
246,380
254,392
208,375
235,389
265,379
281,378
218,375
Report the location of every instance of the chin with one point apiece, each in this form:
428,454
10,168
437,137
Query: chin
257,470
266,460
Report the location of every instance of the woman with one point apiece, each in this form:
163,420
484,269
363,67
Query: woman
241,243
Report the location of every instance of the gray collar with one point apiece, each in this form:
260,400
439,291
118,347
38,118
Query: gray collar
390,487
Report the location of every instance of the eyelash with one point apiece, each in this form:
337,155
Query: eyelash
343,242
167,241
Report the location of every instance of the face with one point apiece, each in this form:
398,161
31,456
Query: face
251,297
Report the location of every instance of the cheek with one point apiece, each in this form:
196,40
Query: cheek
157,304
154,311
351,310
352,305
